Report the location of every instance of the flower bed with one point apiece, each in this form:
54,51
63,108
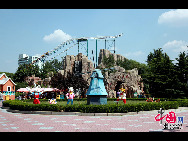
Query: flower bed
109,108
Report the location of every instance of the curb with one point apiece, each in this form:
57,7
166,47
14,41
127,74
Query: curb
64,113
89,114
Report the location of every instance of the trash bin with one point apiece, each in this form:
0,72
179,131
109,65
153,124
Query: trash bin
7,97
62,96
58,97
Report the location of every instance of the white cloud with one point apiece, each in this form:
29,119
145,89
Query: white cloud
57,36
175,18
135,54
176,46
173,48
138,56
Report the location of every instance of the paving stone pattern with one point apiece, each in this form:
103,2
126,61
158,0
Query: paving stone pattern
141,122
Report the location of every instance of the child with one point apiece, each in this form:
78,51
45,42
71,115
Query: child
70,96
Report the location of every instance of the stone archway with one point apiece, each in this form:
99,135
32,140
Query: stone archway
117,87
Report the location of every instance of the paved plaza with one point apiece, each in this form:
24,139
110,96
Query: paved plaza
141,122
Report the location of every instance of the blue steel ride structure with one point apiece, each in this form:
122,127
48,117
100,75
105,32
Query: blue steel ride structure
77,41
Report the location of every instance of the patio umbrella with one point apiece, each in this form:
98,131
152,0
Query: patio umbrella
22,90
48,89
37,89
55,89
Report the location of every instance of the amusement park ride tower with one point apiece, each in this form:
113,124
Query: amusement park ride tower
96,93
77,41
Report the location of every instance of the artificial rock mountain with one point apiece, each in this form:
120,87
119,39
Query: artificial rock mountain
80,65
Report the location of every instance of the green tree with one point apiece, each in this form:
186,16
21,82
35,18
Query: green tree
108,61
182,67
20,74
131,64
8,74
26,70
182,74
160,74
20,85
61,82
126,64
57,65
58,81
53,66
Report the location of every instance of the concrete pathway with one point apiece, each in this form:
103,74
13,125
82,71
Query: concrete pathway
132,122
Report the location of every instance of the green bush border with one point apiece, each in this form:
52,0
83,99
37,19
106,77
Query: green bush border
109,99
109,108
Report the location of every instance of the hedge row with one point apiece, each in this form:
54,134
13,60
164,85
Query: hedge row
109,99
113,108
24,106
109,108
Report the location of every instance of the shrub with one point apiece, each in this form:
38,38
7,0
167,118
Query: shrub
109,108
183,103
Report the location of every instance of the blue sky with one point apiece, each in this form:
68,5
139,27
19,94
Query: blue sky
36,31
